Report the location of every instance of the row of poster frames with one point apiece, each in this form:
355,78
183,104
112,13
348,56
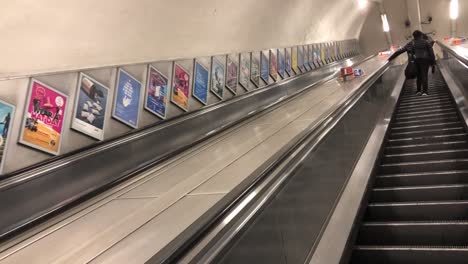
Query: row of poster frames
45,109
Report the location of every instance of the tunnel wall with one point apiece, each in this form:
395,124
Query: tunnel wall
55,35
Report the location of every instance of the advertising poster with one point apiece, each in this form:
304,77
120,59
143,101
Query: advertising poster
157,91
288,62
322,53
217,78
265,67
306,58
255,70
127,99
90,107
201,79
244,71
180,87
231,74
44,117
300,58
316,57
274,64
281,64
295,65
7,112
311,57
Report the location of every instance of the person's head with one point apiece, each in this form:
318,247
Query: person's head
418,34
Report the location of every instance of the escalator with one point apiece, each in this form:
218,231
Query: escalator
418,205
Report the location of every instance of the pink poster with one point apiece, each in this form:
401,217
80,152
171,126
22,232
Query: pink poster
181,86
43,121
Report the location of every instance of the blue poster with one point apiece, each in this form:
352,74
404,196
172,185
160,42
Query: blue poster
200,84
288,62
265,67
127,99
281,64
156,92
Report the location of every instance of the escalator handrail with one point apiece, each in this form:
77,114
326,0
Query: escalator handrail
461,57
207,241
22,175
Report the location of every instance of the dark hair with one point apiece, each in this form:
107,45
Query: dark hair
418,34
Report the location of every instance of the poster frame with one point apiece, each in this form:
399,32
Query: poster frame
151,67
295,66
283,55
264,58
248,79
255,82
172,87
213,60
8,139
195,62
273,52
233,91
114,104
21,134
75,109
288,58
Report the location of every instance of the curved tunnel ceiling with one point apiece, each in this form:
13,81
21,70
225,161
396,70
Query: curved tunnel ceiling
51,35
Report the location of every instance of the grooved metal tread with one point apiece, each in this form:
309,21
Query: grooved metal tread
418,206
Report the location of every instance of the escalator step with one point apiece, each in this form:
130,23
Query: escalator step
424,166
426,140
409,255
420,179
428,121
425,155
427,132
417,211
438,125
414,234
423,116
426,147
420,193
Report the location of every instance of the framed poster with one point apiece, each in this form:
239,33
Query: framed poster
281,64
180,87
322,54
44,117
306,58
295,62
126,106
316,56
232,74
7,112
274,64
311,57
244,70
201,79
300,58
217,78
288,62
255,70
90,107
265,67
157,91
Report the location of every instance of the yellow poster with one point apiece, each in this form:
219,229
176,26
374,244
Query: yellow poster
295,67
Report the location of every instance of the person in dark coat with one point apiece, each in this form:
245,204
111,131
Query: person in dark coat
421,51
